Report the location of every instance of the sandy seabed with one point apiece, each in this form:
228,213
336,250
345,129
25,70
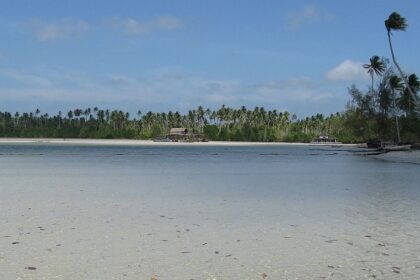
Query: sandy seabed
78,233
72,220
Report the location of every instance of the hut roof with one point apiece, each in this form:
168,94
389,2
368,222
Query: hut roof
178,131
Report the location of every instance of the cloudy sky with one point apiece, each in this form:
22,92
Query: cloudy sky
164,55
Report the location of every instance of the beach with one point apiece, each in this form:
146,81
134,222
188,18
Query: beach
128,142
85,211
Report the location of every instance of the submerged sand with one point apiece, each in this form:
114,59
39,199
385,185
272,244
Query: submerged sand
118,217
78,233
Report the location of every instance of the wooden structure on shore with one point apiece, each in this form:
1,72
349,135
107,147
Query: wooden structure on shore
325,140
180,134
390,146
178,131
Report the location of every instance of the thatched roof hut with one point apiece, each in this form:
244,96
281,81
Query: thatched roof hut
179,131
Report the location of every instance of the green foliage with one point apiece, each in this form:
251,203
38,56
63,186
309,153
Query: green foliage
298,136
376,66
211,132
383,112
224,124
395,22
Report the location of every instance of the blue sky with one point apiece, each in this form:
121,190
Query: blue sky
161,55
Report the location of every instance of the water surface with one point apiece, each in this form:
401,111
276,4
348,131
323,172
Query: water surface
206,212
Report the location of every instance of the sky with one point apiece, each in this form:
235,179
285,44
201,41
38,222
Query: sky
161,55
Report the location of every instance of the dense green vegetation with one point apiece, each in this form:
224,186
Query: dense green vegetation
222,124
388,111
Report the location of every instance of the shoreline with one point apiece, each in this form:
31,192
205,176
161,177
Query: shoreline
132,142
411,156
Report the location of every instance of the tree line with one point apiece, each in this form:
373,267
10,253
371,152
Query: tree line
385,112
225,123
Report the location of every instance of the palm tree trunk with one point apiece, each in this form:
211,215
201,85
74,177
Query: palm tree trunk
371,76
413,96
398,129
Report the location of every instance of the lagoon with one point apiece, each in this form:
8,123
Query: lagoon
205,212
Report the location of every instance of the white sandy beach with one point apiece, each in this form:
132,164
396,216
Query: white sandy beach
128,142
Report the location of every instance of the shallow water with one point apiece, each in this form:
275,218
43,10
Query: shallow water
203,212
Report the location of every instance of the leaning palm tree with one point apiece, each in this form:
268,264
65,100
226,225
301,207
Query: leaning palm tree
397,22
376,66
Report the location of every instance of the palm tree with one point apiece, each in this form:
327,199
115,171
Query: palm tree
395,83
396,22
407,99
376,66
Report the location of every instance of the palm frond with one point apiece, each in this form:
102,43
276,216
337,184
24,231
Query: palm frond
376,66
395,22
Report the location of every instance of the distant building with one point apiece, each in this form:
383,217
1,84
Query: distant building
180,134
325,139
178,131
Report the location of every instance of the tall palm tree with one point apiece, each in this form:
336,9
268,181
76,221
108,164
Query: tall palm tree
376,66
396,22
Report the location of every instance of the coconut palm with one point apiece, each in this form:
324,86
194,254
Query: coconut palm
408,101
396,22
376,66
395,83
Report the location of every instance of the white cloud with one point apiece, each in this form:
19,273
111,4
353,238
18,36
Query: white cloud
23,79
348,71
296,90
58,30
131,26
307,15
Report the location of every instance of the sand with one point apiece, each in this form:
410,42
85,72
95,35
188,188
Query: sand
128,142
79,233
80,217
412,156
